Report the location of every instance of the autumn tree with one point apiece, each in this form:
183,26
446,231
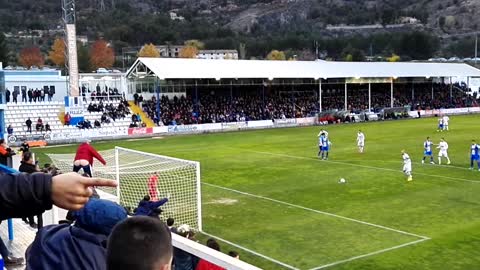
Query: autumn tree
101,55
188,52
276,55
57,54
31,56
393,58
149,50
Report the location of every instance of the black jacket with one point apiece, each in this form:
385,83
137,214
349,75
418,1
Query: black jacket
27,168
23,195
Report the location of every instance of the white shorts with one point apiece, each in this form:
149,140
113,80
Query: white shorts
443,153
407,168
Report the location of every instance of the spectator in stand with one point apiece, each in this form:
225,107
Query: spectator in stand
170,223
84,158
66,119
146,207
15,94
135,98
28,166
42,94
24,94
47,127
29,125
25,147
5,152
206,265
51,92
9,130
97,124
182,259
81,246
140,243
7,95
39,126
30,95
234,254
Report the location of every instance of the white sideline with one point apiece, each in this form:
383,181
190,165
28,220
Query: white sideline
318,211
447,178
252,252
367,255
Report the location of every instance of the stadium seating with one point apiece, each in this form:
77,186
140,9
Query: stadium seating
52,113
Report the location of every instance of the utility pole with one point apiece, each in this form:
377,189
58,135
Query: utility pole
476,49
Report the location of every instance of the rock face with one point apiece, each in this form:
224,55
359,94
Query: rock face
269,15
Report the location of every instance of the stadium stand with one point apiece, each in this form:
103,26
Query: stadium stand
48,111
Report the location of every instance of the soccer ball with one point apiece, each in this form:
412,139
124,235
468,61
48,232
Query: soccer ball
342,181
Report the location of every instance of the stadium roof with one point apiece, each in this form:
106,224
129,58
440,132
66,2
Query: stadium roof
176,68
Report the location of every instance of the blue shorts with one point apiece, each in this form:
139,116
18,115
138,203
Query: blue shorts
440,126
428,153
475,157
324,148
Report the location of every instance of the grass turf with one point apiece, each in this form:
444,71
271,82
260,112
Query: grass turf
441,203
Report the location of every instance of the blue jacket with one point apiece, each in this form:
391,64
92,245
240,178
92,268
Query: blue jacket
146,208
67,247
82,246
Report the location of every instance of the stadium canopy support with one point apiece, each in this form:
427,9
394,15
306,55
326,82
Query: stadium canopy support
320,95
346,98
391,93
369,97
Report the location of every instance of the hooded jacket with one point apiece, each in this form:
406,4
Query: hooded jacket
81,246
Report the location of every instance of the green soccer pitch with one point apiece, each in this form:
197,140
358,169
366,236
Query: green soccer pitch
267,193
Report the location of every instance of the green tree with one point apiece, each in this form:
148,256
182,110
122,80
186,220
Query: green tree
83,58
3,49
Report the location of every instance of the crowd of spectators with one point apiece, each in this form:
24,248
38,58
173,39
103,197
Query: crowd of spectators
30,95
106,94
111,113
254,105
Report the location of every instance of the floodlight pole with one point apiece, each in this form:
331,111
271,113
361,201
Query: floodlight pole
346,90
451,90
432,89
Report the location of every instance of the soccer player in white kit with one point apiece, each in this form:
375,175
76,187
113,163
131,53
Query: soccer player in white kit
360,141
445,122
407,165
443,146
324,132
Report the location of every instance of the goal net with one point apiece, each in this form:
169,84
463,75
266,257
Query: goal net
135,171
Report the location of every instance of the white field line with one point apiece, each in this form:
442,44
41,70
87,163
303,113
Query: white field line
252,252
368,254
422,238
447,178
318,211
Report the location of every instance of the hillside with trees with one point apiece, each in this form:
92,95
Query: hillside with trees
412,29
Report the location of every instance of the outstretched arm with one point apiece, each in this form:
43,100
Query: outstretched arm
97,155
159,203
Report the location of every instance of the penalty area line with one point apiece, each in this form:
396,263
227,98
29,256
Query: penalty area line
252,252
368,254
317,211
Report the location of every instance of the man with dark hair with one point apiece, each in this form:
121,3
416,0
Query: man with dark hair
206,265
234,254
29,125
28,166
170,222
140,243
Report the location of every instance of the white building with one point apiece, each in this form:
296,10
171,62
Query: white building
218,54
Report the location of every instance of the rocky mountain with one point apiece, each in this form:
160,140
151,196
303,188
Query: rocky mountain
261,24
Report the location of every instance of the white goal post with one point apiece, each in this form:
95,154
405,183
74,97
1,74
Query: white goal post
178,179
